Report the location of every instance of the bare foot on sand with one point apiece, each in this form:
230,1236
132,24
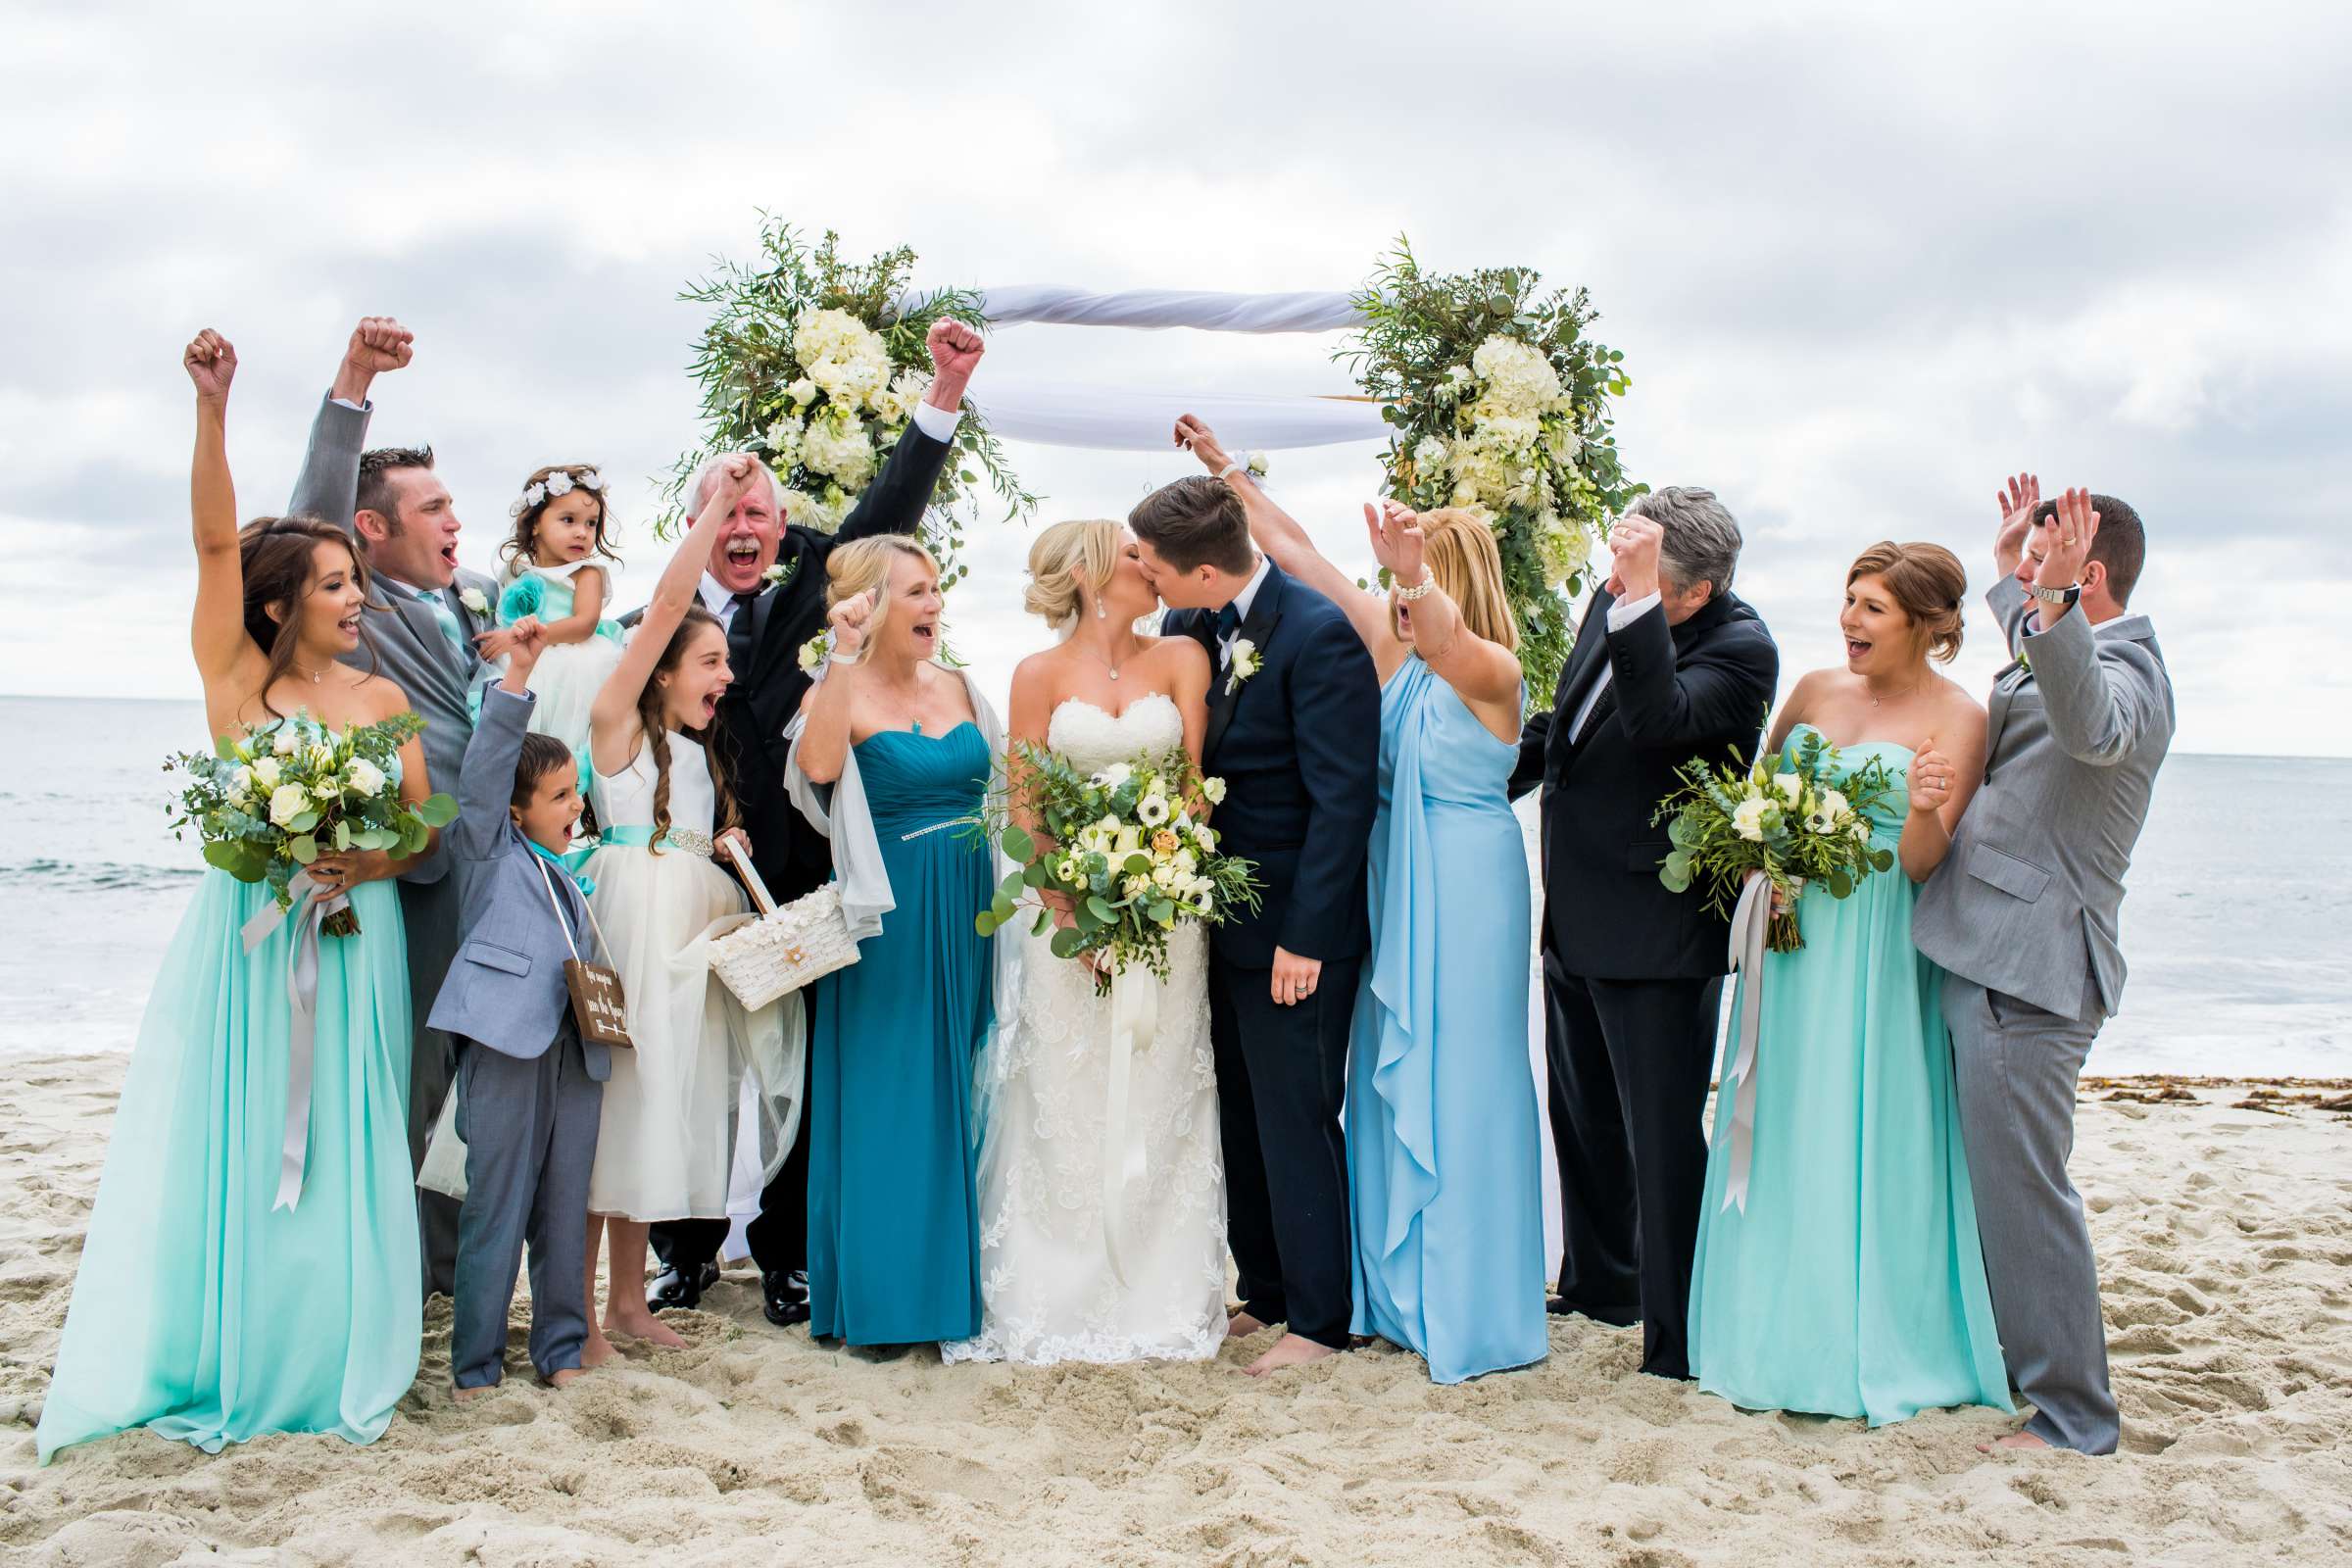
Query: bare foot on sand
598,1352
468,1395
2015,1442
1289,1350
1240,1325
643,1325
564,1375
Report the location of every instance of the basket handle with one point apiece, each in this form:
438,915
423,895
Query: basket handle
751,877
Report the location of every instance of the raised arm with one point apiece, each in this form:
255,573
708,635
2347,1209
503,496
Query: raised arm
328,484
226,660
612,716
895,501
828,710
1481,670
1665,704
486,779
1276,533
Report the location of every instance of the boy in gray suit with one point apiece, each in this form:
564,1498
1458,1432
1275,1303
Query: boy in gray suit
2022,916
531,1094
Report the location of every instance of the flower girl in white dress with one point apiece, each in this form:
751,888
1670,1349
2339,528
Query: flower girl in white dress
554,576
665,1144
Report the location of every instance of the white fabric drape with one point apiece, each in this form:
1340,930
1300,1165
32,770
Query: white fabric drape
1142,420
1155,309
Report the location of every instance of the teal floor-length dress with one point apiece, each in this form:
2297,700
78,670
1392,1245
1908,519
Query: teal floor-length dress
893,1238
200,1311
1445,1171
1852,1284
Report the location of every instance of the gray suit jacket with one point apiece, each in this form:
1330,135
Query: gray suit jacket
505,989
403,640
2028,901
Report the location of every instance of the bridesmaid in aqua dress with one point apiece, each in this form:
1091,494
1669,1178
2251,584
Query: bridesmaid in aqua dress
1444,1163
201,1310
891,758
1851,1283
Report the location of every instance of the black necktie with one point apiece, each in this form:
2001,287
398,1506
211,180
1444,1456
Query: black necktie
739,636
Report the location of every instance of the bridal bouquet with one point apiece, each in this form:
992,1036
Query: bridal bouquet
270,801
1126,849
1800,819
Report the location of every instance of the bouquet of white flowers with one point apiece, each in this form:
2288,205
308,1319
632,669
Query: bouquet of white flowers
1127,850
1798,818
270,801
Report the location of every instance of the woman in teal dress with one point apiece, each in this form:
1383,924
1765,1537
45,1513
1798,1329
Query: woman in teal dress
201,1309
1445,1166
891,758
1849,1281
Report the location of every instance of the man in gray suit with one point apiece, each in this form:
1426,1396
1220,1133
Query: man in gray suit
531,1091
428,613
2023,917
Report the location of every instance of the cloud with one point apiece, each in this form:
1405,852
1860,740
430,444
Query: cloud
1862,263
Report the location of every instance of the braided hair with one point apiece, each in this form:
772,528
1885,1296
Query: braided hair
654,721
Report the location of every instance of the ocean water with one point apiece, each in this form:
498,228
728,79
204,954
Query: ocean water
2238,928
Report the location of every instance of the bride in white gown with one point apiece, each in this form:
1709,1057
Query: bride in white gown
1056,1176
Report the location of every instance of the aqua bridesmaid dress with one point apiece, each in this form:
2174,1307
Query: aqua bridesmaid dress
894,1239
200,1311
1851,1283
1445,1170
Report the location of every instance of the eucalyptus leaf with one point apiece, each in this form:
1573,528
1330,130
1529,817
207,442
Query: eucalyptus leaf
1066,944
1019,845
303,848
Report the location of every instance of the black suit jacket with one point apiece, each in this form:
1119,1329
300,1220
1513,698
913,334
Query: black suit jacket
793,857
1700,689
1297,745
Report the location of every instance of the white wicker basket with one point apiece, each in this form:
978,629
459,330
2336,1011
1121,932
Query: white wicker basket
785,948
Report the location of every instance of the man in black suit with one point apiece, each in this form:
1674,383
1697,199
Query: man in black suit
1668,666
1294,730
767,622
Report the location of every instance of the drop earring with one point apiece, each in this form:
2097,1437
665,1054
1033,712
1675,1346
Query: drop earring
1102,610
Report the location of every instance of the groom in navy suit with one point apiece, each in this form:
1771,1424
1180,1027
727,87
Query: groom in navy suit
1294,730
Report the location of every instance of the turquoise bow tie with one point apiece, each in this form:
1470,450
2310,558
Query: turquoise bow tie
570,863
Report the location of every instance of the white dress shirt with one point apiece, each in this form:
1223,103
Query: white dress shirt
1240,607
1620,617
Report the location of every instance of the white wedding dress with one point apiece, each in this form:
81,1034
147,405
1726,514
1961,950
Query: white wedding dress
1048,1284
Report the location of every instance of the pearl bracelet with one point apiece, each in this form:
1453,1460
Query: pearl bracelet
1421,590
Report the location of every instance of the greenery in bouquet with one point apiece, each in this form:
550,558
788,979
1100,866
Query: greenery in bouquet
816,364
271,799
1499,402
1127,852
1802,817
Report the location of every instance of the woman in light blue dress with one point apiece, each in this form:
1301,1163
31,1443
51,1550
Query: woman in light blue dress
1444,1165
203,1309
1849,1282
891,758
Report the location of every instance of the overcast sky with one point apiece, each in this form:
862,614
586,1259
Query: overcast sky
1861,265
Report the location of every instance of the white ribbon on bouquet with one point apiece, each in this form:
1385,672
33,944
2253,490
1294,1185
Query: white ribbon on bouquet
1751,922
1134,1024
313,903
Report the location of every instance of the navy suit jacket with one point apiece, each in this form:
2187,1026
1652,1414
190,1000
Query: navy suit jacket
1297,745
505,989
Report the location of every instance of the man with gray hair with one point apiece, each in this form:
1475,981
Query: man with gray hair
1668,666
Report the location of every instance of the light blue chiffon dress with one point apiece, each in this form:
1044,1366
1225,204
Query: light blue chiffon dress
1445,1171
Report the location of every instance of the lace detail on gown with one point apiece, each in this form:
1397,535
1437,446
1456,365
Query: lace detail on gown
1045,1278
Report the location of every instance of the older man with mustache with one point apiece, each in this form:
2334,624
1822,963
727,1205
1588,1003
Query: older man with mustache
767,621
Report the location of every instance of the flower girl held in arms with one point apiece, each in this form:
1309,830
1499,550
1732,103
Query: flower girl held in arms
664,1148
530,1092
555,581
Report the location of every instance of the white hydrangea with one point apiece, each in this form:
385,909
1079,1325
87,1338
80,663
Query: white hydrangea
1517,380
783,439
835,444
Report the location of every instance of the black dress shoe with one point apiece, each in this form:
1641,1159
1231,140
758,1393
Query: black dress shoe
672,1289
784,1298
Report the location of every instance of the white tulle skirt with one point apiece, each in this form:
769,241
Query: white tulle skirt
565,683
667,1138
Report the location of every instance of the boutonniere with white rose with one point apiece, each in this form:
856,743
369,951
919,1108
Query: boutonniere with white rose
474,602
1243,665
778,576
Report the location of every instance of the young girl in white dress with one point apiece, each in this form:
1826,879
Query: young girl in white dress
554,576
665,1143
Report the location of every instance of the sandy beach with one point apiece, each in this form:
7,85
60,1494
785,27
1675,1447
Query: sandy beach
2223,1218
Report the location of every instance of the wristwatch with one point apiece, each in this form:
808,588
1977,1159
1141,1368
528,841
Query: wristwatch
2057,596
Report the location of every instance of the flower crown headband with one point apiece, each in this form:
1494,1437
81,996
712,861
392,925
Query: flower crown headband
558,483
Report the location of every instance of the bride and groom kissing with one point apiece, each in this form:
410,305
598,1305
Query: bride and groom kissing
1366,744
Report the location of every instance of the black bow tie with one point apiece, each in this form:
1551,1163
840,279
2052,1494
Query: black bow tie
1229,621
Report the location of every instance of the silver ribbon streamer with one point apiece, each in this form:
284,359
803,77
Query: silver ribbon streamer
1134,1023
1751,921
313,903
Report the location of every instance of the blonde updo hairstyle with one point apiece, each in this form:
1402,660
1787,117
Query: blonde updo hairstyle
1460,554
863,566
1069,561
1928,582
